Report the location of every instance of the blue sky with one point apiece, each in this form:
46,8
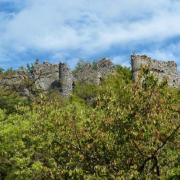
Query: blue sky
59,30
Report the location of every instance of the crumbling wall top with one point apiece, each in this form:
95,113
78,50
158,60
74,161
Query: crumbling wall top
162,66
162,69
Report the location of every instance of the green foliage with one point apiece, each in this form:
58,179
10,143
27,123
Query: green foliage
8,73
131,131
79,66
94,65
9,100
86,92
124,72
1,70
30,68
9,70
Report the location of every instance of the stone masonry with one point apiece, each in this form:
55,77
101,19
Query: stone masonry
48,76
65,80
161,69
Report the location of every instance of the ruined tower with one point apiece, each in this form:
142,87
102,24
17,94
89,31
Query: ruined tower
65,79
161,69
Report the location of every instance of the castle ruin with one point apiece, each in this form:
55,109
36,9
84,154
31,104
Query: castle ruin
48,76
161,69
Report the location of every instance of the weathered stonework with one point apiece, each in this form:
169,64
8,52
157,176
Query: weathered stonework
94,73
161,69
16,80
48,76
45,75
65,79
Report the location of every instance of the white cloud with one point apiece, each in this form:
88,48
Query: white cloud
88,26
160,54
123,60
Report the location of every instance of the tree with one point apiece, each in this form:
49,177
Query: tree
144,119
131,131
1,70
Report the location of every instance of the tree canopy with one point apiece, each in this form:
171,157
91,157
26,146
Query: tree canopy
118,130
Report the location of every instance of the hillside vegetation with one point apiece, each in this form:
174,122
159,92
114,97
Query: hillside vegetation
117,130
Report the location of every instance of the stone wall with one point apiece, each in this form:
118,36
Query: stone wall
162,69
45,75
16,80
94,73
53,76
48,76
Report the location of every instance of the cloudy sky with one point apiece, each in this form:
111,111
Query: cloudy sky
69,30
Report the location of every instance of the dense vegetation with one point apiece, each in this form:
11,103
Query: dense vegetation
118,130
